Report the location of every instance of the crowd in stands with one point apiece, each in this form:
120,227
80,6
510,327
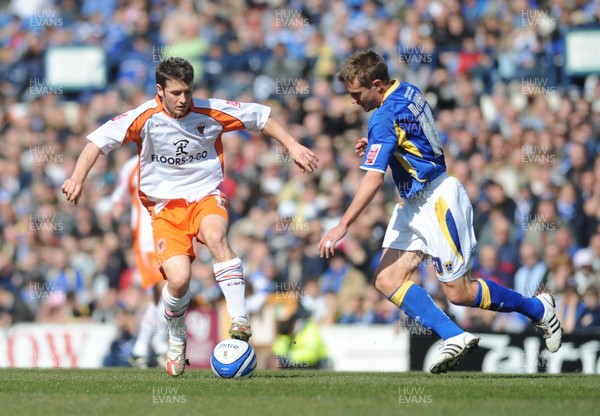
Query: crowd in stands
520,133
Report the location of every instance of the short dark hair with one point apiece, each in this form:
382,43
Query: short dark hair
174,68
364,67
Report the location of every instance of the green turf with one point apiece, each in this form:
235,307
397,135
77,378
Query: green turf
289,393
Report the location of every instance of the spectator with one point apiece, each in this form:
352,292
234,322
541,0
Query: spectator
13,310
490,267
567,308
585,276
589,316
121,348
541,229
529,278
298,344
344,281
499,233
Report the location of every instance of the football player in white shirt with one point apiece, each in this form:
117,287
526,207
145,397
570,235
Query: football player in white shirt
179,141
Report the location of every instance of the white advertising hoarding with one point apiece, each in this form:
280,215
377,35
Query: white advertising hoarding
55,346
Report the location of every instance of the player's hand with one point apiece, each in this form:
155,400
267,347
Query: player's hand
304,157
327,243
361,146
72,189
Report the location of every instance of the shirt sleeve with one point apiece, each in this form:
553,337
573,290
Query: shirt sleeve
252,116
382,144
125,127
111,134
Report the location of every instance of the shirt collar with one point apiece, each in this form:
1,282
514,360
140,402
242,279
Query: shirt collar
393,87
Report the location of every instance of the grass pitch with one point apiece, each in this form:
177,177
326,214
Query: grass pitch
289,393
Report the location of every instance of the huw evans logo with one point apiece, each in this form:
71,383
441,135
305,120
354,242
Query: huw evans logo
45,18
413,395
537,86
42,86
167,395
291,86
290,18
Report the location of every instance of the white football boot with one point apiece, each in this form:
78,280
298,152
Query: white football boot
175,358
549,324
240,329
452,351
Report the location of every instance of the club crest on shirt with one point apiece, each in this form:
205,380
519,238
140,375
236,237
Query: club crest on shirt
201,129
449,266
372,155
161,245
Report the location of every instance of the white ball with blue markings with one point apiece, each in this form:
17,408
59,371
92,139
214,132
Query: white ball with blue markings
233,358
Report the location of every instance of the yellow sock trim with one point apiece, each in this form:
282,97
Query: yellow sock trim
486,298
398,296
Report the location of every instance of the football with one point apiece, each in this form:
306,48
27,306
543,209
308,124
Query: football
233,358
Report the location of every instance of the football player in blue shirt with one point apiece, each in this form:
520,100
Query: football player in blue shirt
434,217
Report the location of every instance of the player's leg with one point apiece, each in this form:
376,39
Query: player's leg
212,231
141,350
440,220
455,251
395,270
149,324
403,251
160,337
174,253
487,294
393,279
176,297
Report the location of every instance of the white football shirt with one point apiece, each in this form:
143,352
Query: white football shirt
180,158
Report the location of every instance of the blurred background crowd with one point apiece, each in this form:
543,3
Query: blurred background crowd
519,133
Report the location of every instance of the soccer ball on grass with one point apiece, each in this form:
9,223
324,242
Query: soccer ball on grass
233,358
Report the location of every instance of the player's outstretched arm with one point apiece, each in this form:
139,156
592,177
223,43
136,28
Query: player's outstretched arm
369,185
301,155
73,186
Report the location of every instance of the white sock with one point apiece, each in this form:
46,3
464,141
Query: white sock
230,277
160,339
175,314
142,342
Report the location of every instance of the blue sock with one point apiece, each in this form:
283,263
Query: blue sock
494,297
418,305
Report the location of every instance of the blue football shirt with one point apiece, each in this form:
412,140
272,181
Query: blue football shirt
403,135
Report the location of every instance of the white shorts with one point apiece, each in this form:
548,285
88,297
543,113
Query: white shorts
437,221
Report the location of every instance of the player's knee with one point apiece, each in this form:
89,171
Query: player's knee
379,283
387,283
215,239
457,297
178,285
178,276
461,292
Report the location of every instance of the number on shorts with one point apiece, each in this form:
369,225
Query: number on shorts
437,264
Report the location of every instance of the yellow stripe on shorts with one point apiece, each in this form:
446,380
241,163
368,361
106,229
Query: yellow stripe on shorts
440,211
